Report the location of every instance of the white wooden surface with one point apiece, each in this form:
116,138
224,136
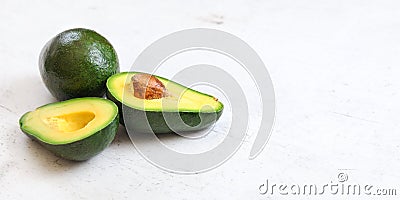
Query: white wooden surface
334,65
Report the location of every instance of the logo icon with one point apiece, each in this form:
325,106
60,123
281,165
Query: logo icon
153,150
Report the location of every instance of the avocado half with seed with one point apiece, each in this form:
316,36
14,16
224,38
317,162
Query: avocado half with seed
76,129
155,104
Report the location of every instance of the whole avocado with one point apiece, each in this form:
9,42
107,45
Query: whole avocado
77,63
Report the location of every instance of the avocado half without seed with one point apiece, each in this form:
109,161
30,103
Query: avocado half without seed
155,104
76,129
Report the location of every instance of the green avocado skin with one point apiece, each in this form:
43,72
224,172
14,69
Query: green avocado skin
157,121
77,63
83,149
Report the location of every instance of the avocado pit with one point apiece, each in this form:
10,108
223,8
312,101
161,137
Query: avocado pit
148,87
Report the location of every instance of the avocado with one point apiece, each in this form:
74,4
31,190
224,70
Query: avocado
75,129
77,63
156,104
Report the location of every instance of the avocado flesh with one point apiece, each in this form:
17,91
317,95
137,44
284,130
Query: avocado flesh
77,63
197,110
76,129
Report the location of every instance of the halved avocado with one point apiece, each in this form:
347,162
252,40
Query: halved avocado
170,108
76,129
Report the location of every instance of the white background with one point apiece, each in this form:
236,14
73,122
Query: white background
335,69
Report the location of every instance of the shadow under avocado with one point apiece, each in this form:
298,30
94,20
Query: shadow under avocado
47,160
